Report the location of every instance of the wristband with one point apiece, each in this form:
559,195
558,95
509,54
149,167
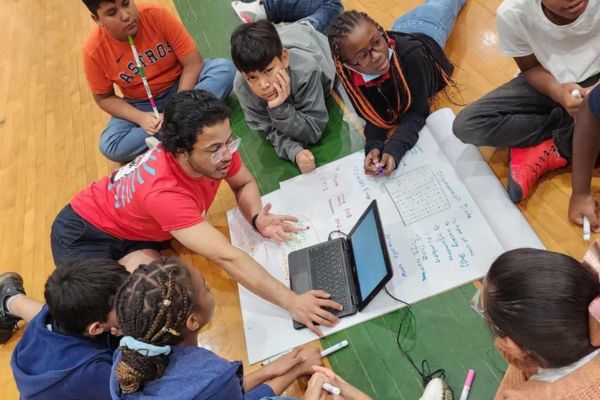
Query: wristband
254,218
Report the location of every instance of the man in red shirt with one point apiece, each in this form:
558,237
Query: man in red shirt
164,194
170,60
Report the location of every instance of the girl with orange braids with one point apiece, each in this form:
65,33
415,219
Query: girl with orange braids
160,309
391,76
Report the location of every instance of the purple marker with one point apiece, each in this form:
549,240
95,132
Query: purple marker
380,169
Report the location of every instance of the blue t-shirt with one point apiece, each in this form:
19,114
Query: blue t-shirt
594,101
193,373
51,365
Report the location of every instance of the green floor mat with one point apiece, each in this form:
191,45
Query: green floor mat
445,331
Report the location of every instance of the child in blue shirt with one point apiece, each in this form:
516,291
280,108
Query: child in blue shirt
160,310
66,350
586,143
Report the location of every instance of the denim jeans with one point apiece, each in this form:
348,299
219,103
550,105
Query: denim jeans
435,18
123,140
517,115
319,13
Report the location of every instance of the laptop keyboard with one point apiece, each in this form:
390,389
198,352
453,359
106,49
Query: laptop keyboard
327,268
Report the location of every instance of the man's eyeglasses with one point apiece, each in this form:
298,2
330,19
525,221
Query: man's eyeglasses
364,58
220,153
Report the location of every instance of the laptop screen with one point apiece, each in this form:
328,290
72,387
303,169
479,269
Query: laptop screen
370,254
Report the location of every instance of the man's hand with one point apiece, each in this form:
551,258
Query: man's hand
308,309
275,226
584,206
149,123
563,96
282,87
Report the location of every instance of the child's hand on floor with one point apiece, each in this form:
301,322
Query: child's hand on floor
322,375
583,206
314,390
566,99
311,357
282,365
305,160
149,123
282,87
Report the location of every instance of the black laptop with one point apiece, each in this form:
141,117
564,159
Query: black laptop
352,269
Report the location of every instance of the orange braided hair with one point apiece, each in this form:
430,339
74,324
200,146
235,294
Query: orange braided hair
343,26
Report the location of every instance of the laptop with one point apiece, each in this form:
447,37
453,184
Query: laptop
352,269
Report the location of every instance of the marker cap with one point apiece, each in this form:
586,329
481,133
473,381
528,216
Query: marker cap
470,377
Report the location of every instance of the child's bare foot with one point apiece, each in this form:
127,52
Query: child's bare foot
305,161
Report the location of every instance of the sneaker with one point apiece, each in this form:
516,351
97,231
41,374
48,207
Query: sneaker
437,389
249,12
11,283
528,165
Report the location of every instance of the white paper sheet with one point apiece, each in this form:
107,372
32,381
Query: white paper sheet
436,234
505,219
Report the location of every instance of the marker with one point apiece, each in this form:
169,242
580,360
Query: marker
275,357
334,348
136,57
467,387
587,231
576,93
380,169
328,387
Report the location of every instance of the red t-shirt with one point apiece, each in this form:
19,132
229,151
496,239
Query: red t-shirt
148,197
161,41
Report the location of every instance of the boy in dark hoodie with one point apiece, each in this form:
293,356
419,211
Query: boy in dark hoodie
67,348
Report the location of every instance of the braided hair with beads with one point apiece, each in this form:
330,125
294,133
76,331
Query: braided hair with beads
343,26
152,306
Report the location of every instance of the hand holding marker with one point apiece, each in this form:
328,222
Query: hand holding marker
586,222
331,389
136,57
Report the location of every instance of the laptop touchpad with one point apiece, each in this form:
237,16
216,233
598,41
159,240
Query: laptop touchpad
301,282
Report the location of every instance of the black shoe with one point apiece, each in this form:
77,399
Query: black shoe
11,284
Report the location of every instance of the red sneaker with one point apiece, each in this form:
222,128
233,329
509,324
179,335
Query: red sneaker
528,165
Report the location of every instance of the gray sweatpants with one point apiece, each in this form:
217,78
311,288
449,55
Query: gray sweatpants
517,115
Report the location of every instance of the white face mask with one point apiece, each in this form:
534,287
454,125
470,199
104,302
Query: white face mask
370,77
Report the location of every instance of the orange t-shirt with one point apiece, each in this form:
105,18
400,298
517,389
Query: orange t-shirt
161,41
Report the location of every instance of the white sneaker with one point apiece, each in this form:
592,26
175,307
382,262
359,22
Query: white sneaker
249,12
437,389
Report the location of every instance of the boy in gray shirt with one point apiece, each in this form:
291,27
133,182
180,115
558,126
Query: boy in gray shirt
282,81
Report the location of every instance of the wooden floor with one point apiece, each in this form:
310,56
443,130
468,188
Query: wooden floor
49,144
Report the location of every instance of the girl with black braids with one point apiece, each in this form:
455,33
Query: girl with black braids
160,309
391,76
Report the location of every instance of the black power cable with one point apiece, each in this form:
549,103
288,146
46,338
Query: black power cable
425,371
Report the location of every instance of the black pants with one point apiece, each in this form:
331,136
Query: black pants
74,239
517,115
